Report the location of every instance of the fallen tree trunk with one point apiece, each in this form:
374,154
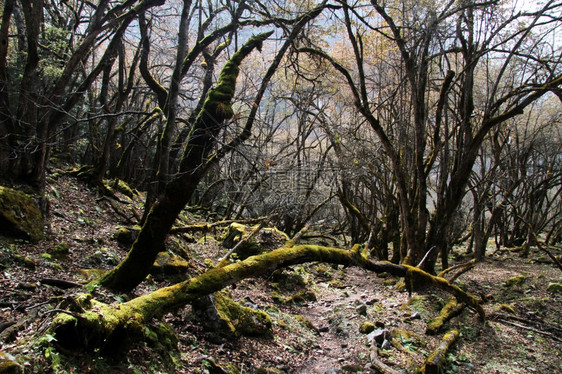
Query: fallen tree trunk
450,310
109,327
437,358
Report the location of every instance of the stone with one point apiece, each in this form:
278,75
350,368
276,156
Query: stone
9,364
554,288
366,327
385,345
515,281
378,336
361,310
168,263
19,215
334,371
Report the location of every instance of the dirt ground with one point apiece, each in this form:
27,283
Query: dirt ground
318,332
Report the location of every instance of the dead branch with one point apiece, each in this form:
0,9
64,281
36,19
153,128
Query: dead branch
543,248
60,283
506,320
448,270
208,226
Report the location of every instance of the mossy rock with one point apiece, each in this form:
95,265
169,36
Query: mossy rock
300,297
266,239
126,235
168,263
515,281
117,185
222,314
19,215
509,308
554,288
367,327
306,323
60,250
9,364
161,336
287,280
237,232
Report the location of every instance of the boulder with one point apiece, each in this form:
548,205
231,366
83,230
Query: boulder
19,215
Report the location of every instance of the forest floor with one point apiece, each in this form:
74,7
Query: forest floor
317,332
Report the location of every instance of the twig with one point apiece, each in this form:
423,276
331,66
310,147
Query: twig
545,333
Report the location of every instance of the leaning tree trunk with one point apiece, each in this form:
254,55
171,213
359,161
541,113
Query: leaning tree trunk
201,142
110,327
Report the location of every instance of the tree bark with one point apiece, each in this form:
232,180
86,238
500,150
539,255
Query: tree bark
163,213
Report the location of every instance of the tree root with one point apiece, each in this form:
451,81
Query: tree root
109,326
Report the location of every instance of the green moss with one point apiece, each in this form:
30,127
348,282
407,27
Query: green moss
554,288
127,235
168,263
306,322
161,336
444,315
237,232
509,308
366,327
121,186
242,320
60,250
515,281
19,215
299,297
9,364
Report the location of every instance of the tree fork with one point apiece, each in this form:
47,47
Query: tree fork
109,326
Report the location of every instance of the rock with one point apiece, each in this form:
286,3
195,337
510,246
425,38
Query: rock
385,345
554,288
366,327
220,313
334,371
168,263
127,235
515,281
265,239
378,336
19,215
9,364
361,310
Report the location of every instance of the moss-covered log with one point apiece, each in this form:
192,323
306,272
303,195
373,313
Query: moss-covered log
108,326
451,309
437,358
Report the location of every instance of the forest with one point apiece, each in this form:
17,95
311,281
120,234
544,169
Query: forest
280,186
